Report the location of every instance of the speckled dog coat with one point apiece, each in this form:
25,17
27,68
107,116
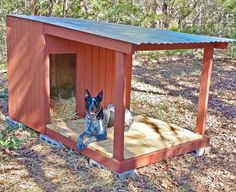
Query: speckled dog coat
96,126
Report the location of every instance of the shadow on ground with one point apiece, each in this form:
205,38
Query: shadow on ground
182,77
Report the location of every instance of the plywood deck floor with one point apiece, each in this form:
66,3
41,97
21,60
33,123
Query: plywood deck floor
146,135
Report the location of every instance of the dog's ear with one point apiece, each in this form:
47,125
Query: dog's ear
100,96
86,94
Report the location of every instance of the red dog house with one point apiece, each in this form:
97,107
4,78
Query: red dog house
100,55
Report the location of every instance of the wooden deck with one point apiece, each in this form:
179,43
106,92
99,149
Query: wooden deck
146,135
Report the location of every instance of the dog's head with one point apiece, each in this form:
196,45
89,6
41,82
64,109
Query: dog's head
92,104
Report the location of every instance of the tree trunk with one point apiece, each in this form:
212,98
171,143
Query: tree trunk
154,9
65,7
182,18
32,7
165,23
50,12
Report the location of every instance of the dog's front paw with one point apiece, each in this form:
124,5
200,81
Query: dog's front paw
101,136
80,146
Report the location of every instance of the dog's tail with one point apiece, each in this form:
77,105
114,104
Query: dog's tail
129,119
111,107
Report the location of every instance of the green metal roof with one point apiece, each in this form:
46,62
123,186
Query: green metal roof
127,33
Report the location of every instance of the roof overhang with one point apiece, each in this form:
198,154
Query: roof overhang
162,40
87,38
149,47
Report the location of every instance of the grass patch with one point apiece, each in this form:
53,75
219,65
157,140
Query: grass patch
3,65
9,142
162,109
8,139
10,135
4,93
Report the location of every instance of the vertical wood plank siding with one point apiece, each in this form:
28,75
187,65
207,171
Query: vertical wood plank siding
128,77
109,82
96,72
26,48
29,75
80,79
94,69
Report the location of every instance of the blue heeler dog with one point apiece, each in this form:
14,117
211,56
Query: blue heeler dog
97,120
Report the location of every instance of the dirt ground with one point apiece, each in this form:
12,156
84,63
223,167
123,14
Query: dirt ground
166,89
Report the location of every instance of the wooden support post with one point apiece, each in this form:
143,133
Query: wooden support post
119,122
46,77
128,77
204,90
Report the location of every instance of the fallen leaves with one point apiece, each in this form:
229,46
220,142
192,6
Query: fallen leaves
168,90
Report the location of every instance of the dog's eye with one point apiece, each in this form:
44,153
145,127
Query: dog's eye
96,104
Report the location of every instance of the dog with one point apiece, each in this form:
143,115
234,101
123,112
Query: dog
97,120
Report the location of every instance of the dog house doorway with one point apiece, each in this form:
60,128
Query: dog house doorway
62,86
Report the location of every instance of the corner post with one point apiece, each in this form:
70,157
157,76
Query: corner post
46,78
204,90
128,77
46,87
119,101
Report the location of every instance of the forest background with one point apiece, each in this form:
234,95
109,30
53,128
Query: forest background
206,17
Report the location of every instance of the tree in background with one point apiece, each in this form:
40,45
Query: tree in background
208,17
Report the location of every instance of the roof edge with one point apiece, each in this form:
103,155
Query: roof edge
174,46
